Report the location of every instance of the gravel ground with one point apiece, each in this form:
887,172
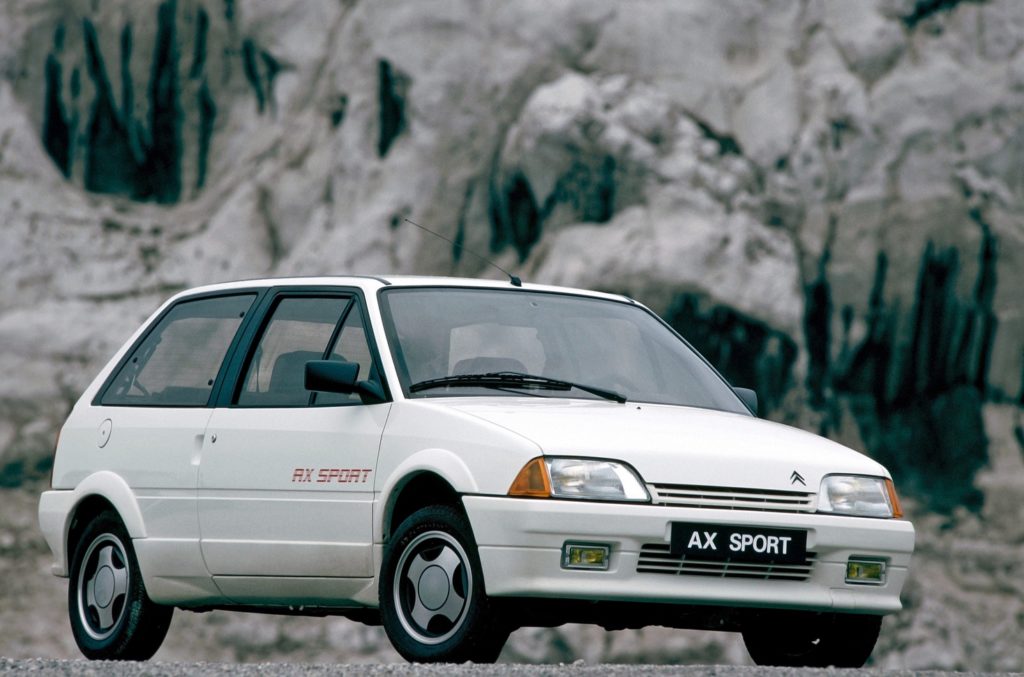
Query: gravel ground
158,669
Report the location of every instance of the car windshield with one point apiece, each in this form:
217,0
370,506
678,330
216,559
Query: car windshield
464,342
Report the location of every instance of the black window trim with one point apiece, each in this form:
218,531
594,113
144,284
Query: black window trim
257,294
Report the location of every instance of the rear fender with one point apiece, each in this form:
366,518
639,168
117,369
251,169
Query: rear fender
116,491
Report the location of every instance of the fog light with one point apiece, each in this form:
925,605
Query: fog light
585,556
868,571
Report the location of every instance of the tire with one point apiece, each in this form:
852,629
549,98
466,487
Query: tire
112,617
812,640
432,598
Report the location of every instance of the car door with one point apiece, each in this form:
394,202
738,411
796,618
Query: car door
286,476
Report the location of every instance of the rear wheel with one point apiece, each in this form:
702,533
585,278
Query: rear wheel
112,617
812,640
432,598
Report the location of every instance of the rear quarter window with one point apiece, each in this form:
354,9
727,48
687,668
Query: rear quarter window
177,363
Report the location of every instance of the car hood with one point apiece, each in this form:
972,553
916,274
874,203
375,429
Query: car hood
673,444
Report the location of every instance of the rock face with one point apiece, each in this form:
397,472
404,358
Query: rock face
826,197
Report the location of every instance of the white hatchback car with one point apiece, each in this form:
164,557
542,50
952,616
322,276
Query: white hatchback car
456,459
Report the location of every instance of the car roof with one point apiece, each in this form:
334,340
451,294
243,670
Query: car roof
372,283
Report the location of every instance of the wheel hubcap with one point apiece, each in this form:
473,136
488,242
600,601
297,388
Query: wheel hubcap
433,584
103,586
434,588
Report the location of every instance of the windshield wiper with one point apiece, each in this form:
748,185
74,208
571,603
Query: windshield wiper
512,379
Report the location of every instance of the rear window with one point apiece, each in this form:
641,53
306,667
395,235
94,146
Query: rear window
176,364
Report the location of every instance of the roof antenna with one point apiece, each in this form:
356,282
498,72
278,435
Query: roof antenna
516,282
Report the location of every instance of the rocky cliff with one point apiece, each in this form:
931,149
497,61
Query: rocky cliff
826,197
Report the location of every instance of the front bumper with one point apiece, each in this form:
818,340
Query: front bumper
520,546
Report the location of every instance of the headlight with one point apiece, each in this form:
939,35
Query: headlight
860,496
579,478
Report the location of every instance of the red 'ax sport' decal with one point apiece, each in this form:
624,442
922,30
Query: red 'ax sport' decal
332,475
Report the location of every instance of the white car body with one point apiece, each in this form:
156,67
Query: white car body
292,508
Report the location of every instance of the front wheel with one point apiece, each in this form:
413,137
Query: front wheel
812,640
112,617
432,598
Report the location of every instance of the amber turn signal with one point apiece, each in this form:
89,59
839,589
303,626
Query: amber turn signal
532,481
894,500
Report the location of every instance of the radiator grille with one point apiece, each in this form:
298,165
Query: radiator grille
729,498
655,558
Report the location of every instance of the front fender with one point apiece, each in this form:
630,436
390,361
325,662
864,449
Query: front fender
441,462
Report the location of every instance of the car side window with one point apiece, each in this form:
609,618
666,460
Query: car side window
352,345
299,330
177,363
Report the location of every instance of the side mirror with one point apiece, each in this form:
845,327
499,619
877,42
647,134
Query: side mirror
749,398
332,376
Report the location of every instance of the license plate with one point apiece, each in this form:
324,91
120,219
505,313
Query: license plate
722,542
